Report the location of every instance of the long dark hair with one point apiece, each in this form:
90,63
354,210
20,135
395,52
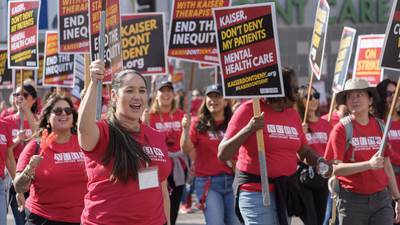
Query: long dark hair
123,150
47,110
207,122
303,94
381,108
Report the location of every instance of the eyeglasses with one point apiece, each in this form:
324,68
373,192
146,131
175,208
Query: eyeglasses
24,94
389,93
58,111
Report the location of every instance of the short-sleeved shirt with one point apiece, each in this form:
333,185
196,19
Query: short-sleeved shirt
283,138
206,147
109,202
59,186
170,126
13,123
334,119
4,139
394,141
364,144
318,136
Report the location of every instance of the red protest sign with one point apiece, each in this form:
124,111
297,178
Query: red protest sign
23,34
58,68
73,26
113,50
247,40
368,53
191,34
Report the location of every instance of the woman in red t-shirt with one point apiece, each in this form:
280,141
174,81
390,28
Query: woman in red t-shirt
386,89
317,130
126,161
284,142
54,169
366,179
166,117
214,178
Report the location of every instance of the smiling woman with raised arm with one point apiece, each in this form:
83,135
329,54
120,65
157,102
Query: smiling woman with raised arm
126,161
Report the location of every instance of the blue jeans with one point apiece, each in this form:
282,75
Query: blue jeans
219,202
254,212
19,217
3,203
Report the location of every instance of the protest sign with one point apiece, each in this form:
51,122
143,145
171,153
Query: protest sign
247,40
317,48
23,34
343,59
58,68
73,26
113,50
5,72
366,63
391,52
21,75
191,34
39,76
143,43
206,66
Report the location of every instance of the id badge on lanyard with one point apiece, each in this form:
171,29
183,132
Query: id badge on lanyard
148,177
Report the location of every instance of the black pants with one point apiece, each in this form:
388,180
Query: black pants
316,204
34,219
175,199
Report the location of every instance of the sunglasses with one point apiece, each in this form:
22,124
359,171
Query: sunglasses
24,94
389,93
58,111
316,96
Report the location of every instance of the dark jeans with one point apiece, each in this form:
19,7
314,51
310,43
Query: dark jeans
316,204
175,198
19,217
34,219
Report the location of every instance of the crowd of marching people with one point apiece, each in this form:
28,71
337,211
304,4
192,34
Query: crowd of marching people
132,165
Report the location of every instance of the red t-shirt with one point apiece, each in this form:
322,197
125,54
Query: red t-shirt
7,112
59,186
206,147
365,143
196,104
13,122
318,137
334,119
283,137
109,202
394,141
170,125
4,139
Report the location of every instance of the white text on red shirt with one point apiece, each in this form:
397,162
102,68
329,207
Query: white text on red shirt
283,132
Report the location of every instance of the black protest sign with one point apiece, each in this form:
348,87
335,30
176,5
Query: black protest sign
247,40
5,72
391,50
343,59
317,48
143,43
73,26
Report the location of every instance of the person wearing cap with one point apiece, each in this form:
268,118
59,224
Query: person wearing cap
317,130
166,117
284,143
366,180
21,126
214,178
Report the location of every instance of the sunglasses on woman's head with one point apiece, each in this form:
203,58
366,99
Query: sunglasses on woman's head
24,94
58,111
